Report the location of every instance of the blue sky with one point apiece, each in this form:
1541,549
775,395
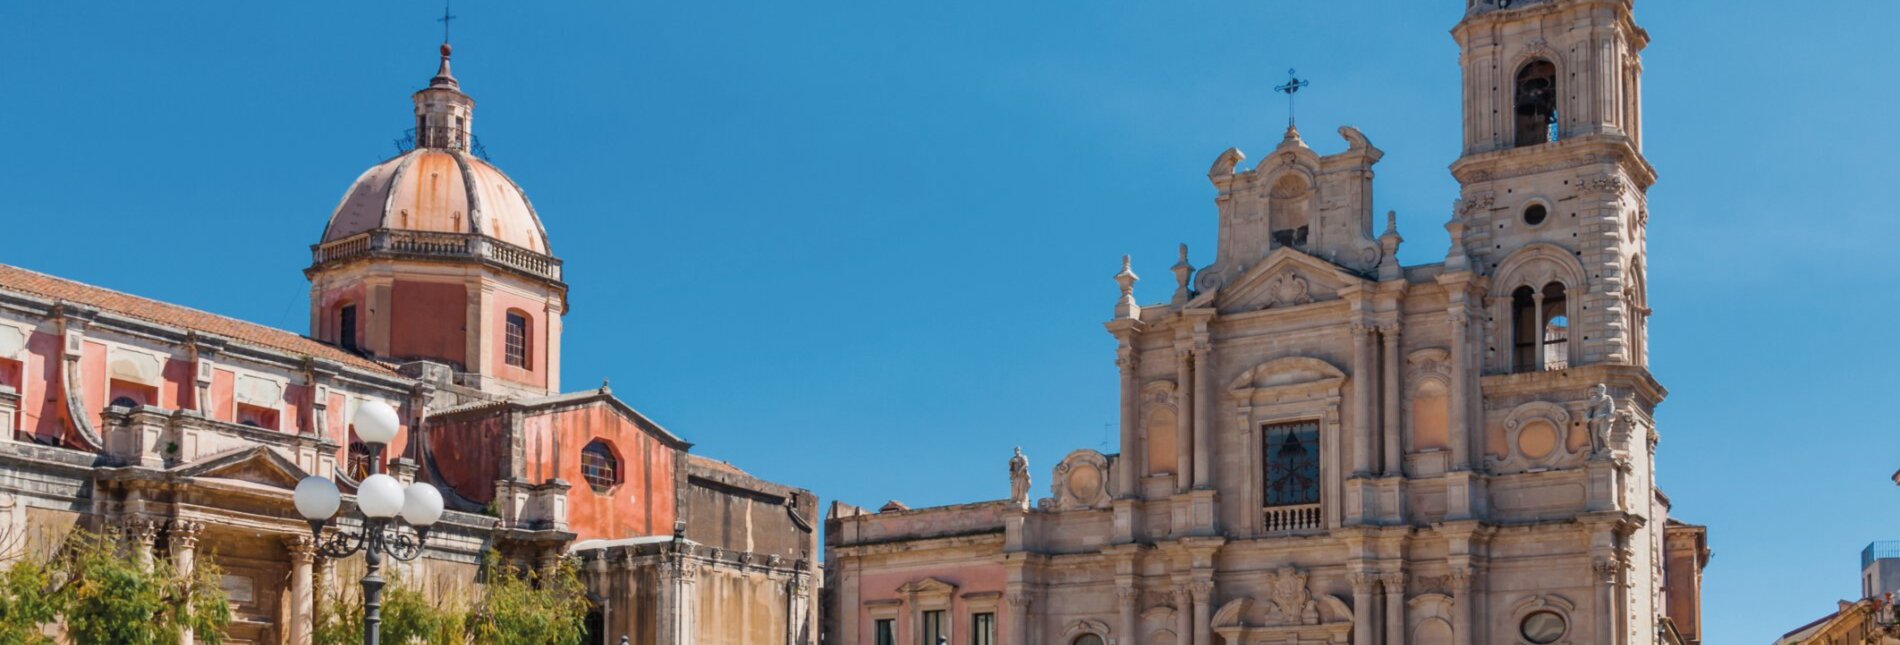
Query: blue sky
865,247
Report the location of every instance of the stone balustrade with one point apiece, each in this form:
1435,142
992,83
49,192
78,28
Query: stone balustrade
389,243
1303,517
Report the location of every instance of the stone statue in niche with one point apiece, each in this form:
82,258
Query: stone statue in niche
1019,480
1602,415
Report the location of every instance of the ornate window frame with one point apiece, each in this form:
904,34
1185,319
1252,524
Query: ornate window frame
1287,390
1514,423
1534,266
929,594
1551,603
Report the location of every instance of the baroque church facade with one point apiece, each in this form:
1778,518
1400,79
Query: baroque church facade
434,290
1319,445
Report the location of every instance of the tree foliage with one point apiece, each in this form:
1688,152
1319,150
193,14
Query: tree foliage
547,607
410,617
103,594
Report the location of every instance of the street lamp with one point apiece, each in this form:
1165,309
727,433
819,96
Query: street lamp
386,507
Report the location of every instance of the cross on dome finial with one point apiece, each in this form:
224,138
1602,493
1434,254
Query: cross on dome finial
1289,88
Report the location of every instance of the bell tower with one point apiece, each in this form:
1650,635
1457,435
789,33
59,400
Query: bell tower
1553,180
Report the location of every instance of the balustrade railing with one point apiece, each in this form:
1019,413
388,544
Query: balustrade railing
1281,519
440,245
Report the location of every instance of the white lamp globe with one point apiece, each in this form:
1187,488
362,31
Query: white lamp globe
380,496
421,504
376,422
316,498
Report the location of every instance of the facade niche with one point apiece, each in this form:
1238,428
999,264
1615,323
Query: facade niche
1287,210
1536,100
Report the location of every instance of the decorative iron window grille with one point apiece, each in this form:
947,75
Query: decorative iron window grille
1292,461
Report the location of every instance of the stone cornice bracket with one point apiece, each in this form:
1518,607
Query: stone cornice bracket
1126,308
72,323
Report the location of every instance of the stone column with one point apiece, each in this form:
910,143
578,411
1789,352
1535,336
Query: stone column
1128,470
301,617
1128,595
1460,431
1203,591
1018,617
1362,608
1462,600
1606,607
1537,333
1361,401
1203,414
1184,418
1394,607
183,535
1394,455
1183,616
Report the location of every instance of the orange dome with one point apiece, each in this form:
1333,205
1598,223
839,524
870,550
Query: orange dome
439,190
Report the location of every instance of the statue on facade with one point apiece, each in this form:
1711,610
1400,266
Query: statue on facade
1019,479
1602,417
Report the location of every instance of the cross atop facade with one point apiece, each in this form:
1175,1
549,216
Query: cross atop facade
1291,87
446,17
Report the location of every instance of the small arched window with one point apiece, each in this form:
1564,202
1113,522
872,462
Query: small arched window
346,327
600,466
1540,328
1536,101
1087,639
125,402
356,463
515,339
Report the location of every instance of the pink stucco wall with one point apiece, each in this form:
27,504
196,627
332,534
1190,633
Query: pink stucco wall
968,578
536,311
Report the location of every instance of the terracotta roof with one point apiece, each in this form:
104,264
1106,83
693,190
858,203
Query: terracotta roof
14,278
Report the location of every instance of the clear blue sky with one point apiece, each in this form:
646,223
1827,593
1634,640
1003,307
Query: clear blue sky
865,247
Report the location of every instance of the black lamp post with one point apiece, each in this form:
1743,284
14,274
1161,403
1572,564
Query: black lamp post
395,518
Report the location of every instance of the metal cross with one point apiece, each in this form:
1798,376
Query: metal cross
445,21
1292,86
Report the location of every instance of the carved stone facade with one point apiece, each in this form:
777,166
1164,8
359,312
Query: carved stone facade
1357,451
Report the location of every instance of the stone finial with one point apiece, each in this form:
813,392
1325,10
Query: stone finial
1457,259
1183,270
1127,278
1389,268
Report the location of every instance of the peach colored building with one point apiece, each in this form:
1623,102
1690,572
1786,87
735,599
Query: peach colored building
433,289
1319,445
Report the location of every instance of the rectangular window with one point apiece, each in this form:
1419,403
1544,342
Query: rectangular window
346,327
517,340
983,629
933,626
885,630
1292,459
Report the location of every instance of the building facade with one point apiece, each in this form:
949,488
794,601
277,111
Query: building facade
1319,445
434,290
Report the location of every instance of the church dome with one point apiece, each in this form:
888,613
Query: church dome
438,190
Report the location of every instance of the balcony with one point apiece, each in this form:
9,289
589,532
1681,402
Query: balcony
422,245
1301,517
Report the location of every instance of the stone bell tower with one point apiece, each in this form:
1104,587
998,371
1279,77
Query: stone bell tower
1553,180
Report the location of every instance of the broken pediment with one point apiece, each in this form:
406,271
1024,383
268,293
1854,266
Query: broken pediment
1285,611
254,465
1288,278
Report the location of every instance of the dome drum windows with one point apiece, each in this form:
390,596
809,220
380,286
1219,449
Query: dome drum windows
600,466
517,345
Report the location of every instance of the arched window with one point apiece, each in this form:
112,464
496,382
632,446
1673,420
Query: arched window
1287,211
356,463
1087,639
1536,100
1540,328
516,344
125,402
600,466
1556,328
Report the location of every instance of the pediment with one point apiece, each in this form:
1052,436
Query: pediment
258,465
927,587
1290,374
1287,278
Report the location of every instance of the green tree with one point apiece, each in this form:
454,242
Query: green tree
531,608
27,602
410,617
108,598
